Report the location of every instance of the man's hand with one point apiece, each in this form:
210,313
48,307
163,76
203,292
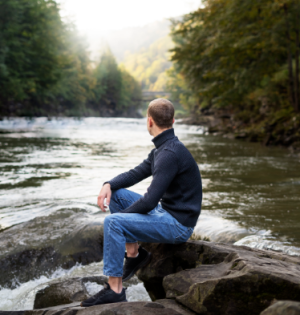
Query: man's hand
104,193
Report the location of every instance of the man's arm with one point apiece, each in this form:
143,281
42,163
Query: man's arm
133,176
165,170
125,180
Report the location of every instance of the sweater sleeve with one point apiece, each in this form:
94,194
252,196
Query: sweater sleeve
133,176
165,169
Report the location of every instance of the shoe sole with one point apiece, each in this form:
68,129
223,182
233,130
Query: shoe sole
103,304
139,266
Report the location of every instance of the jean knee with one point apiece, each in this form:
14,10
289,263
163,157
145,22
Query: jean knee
107,221
116,193
111,220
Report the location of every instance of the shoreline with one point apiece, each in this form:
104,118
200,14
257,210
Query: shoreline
285,134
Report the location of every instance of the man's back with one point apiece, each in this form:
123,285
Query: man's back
176,180
183,197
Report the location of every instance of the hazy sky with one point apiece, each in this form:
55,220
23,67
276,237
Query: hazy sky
93,16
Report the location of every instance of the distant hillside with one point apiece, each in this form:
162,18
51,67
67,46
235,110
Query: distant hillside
143,51
149,64
130,40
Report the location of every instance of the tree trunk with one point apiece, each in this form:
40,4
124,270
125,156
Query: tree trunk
297,56
297,95
290,62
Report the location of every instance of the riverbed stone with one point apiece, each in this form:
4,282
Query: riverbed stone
60,293
212,278
283,308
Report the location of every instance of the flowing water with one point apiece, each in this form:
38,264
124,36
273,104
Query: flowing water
51,172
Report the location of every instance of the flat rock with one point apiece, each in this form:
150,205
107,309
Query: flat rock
170,303
210,278
129,308
283,308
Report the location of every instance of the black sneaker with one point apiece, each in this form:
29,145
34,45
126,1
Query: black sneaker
105,296
132,265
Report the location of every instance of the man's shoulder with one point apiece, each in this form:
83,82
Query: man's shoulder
179,149
175,145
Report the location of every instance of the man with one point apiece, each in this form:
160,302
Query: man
176,184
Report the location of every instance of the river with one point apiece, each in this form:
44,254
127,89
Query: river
51,171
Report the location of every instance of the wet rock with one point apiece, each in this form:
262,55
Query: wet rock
211,278
61,293
283,308
82,245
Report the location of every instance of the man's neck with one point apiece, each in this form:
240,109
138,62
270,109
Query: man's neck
158,131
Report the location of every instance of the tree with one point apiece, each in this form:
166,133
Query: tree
229,48
108,81
30,41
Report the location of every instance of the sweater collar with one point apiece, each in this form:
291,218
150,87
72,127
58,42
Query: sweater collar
163,137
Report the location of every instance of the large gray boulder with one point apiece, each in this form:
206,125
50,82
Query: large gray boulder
39,256
210,278
283,308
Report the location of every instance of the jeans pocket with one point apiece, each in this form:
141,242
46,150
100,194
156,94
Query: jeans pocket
183,233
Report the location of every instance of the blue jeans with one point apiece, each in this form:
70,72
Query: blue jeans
157,226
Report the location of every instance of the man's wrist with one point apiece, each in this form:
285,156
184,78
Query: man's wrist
107,183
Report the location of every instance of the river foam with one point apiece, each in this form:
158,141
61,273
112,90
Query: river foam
22,297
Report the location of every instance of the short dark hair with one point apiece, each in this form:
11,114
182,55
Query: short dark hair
162,112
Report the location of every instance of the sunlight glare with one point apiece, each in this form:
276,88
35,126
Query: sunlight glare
93,16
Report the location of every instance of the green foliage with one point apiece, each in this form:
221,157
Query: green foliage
31,42
131,93
114,89
149,64
234,54
178,87
45,68
108,80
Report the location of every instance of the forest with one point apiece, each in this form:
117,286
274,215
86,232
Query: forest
239,62
232,65
46,69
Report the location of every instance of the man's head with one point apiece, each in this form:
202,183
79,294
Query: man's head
160,116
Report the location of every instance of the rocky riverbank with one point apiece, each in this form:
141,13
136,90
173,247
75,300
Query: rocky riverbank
280,128
196,277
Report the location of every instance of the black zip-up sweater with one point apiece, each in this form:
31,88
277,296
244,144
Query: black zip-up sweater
176,180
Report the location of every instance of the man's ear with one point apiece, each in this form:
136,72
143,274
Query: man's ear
173,120
150,121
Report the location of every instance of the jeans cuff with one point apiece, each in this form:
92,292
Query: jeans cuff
112,275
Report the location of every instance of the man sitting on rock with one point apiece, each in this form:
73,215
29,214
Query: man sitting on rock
167,213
